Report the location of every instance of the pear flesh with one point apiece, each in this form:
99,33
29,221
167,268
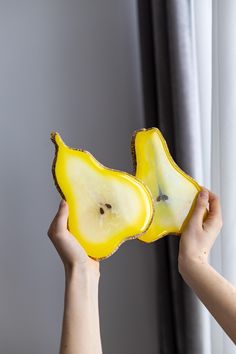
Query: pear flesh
173,191
106,207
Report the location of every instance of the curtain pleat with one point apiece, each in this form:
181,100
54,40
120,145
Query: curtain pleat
170,94
223,148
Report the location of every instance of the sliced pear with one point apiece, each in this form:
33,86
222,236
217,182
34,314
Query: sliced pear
106,207
173,191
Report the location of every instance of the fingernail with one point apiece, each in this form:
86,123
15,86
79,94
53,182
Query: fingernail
62,203
203,193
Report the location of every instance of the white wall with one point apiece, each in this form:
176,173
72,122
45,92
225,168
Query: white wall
70,66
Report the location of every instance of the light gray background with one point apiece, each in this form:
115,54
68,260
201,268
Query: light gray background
70,66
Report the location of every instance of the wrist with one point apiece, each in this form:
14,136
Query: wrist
188,265
81,273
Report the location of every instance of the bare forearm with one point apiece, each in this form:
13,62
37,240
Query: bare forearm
81,330
215,292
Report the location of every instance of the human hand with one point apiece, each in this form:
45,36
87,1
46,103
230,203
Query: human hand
71,252
201,231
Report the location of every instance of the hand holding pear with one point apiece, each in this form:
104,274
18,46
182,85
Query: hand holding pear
108,207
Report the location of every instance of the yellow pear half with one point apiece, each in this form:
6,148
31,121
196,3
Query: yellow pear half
106,206
173,191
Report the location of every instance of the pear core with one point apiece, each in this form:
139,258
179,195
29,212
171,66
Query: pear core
173,191
106,206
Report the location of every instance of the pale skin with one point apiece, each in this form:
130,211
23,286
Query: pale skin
81,330
215,292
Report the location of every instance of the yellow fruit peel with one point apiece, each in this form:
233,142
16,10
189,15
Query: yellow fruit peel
174,192
106,206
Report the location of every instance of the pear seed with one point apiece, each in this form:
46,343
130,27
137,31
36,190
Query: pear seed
162,197
101,211
108,205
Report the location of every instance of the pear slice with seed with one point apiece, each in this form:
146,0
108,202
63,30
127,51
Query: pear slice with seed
106,206
173,191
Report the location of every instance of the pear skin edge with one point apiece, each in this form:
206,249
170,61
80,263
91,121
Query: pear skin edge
178,169
53,139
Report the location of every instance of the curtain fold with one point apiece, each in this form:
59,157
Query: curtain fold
223,148
170,90
216,51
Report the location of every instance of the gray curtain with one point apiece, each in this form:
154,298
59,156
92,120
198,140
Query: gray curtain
171,104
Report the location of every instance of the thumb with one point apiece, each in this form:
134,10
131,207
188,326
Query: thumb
200,208
59,223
